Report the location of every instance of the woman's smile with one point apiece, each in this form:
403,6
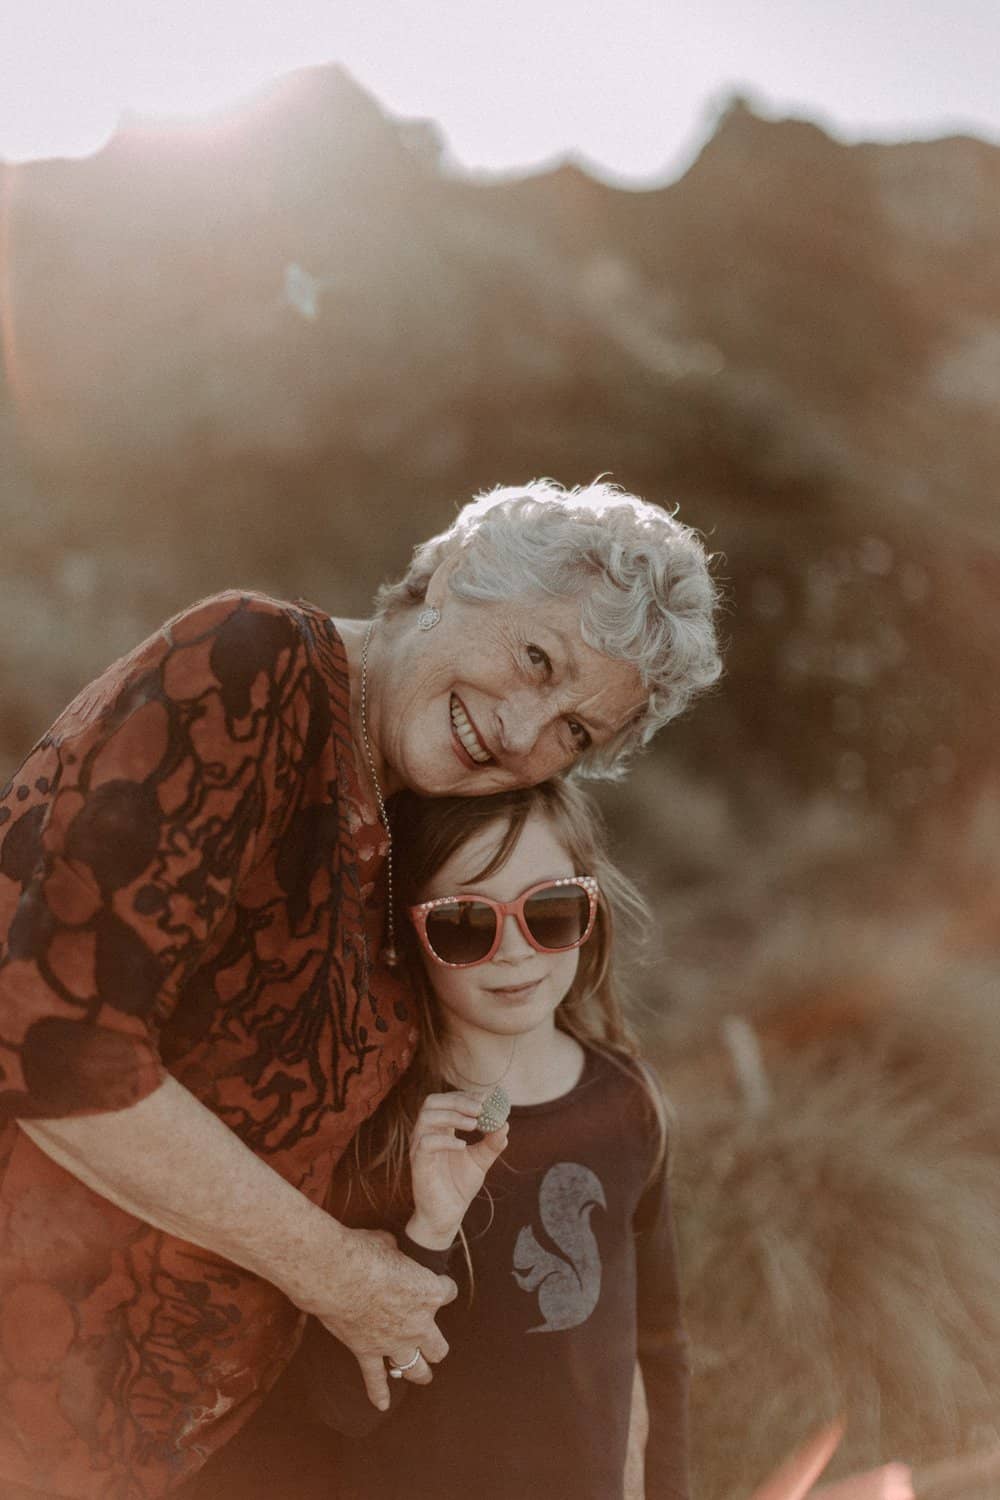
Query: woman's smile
467,734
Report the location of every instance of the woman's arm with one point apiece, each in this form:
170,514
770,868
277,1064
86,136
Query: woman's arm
171,1162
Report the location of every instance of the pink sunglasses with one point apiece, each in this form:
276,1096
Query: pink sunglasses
462,931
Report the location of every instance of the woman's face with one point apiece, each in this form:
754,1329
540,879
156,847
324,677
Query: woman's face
495,696
520,989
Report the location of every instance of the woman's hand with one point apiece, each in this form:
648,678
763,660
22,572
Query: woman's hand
447,1173
382,1305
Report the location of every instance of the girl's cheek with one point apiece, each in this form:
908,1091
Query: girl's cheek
566,978
431,970
452,987
440,979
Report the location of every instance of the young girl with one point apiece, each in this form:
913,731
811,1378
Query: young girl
565,1258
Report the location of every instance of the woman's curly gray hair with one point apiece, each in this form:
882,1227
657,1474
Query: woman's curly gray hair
646,594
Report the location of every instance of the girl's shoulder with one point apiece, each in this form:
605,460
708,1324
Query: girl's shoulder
635,1089
637,1101
627,1070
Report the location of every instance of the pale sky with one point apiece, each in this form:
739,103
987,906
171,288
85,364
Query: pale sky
631,85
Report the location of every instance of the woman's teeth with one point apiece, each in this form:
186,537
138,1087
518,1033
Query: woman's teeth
467,736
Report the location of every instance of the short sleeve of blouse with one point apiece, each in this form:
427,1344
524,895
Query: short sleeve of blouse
125,835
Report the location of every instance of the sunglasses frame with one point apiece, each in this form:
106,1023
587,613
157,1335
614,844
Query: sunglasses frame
502,910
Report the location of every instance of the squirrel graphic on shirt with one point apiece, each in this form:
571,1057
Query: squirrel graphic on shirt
569,1284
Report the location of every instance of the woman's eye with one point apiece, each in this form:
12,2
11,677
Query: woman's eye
581,735
538,657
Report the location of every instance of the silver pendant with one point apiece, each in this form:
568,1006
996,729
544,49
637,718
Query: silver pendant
494,1110
428,618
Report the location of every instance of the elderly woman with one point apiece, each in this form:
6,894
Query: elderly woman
195,887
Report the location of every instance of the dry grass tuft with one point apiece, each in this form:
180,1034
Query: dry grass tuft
838,1177
840,1253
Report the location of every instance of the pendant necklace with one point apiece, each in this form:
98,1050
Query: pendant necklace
495,1108
389,953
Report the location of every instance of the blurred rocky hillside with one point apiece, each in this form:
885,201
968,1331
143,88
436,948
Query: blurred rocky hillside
275,348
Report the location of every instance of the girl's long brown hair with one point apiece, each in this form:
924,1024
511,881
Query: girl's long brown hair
426,832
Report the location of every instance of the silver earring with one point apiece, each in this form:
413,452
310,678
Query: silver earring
428,618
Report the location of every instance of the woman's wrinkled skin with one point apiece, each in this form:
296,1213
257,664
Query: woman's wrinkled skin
530,692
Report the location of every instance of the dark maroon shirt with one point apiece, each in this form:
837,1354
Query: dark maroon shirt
575,1277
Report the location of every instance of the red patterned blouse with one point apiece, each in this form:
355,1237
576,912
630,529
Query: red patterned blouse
187,875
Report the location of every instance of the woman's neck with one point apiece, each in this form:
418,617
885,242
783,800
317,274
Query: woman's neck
352,634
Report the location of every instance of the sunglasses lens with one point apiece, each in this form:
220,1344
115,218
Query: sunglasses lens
558,917
461,932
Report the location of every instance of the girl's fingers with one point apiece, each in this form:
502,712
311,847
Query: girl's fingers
452,1119
438,1142
431,1132
464,1103
485,1152
495,1141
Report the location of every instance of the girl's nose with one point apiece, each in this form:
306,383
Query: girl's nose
513,944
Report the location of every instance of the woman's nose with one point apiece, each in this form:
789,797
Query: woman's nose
522,718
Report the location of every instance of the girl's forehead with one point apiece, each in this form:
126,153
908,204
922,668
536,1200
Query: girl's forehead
538,853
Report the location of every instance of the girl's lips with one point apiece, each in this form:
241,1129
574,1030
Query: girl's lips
515,991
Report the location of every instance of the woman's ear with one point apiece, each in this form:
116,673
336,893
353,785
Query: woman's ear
439,583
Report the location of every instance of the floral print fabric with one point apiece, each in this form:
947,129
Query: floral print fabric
187,883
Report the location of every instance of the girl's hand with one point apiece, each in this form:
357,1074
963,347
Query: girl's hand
447,1173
